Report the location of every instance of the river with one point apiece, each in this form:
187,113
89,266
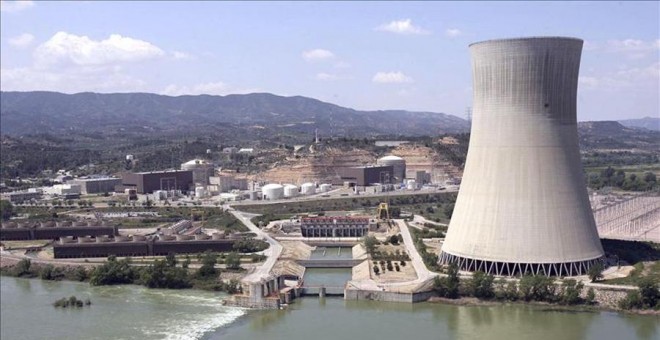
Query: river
134,312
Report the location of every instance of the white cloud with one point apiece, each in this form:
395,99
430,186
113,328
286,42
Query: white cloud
391,78
331,76
318,54
212,88
83,51
644,77
22,40
403,26
453,32
15,6
182,55
633,45
71,81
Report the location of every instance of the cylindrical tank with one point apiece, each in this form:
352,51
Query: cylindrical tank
290,190
254,195
308,189
411,185
398,165
272,191
523,204
325,187
200,192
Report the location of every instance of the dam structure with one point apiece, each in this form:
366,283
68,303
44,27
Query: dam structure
523,205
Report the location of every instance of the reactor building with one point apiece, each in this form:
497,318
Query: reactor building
523,205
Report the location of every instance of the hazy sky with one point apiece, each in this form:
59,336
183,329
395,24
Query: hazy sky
388,55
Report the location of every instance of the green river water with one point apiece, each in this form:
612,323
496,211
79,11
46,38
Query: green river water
134,312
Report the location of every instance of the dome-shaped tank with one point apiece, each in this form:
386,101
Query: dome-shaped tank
325,187
398,165
308,189
201,170
272,191
290,190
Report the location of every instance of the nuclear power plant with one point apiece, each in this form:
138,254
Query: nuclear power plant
523,205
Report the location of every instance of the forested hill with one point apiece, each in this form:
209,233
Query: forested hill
54,113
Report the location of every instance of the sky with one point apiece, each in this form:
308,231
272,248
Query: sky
362,55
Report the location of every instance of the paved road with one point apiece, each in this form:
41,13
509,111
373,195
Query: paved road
273,252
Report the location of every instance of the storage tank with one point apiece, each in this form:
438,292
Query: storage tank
325,187
308,189
272,191
200,192
254,195
397,163
290,190
411,185
201,170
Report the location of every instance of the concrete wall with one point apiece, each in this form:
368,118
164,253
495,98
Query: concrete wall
352,294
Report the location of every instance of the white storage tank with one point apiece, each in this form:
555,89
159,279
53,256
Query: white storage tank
325,187
290,190
272,191
200,192
308,189
411,185
398,164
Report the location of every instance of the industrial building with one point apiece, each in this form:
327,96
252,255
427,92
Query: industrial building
69,190
367,175
136,246
23,196
398,167
523,205
201,170
335,226
148,182
52,230
97,185
226,183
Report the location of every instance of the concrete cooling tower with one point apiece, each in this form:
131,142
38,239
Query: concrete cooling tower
523,205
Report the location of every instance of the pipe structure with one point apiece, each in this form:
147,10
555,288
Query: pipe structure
523,205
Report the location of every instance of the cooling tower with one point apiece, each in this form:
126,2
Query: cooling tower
523,205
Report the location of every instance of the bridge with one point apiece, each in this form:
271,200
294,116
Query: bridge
333,263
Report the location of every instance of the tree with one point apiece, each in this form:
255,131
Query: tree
23,267
591,296
481,285
537,288
394,239
370,243
233,261
571,291
449,210
6,210
113,272
596,272
448,286
170,259
209,260
649,293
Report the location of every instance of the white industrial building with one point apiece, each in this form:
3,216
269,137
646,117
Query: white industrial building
398,165
201,170
523,204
